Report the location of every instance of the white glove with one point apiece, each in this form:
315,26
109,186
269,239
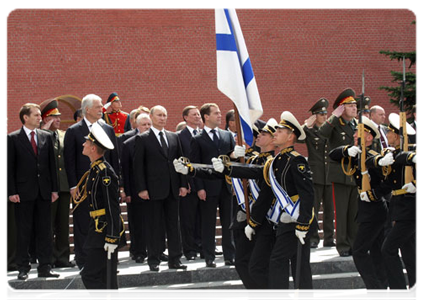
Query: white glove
409,187
416,158
286,218
110,248
353,151
387,160
239,151
338,111
300,235
364,197
249,232
218,165
180,167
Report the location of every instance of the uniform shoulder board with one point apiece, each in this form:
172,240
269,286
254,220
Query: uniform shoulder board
295,153
102,166
373,152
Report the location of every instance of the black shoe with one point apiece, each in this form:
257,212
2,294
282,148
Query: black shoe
191,257
217,252
344,253
164,257
177,265
23,275
210,264
229,262
64,265
48,273
154,268
314,244
139,259
329,244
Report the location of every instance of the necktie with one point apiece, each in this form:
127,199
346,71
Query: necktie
33,144
163,142
382,139
215,138
194,131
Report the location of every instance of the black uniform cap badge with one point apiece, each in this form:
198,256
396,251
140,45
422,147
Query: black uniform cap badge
106,180
301,168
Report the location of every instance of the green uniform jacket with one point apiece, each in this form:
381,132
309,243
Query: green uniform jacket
338,133
318,158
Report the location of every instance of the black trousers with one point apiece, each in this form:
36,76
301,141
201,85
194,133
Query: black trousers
137,214
259,261
402,236
94,273
81,223
284,252
323,196
367,254
208,225
33,215
188,207
60,225
161,212
243,249
11,236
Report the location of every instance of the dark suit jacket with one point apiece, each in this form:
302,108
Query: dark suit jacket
203,150
127,166
154,171
185,138
28,174
76,163
120,140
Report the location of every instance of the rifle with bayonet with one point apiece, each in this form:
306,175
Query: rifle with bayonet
365,178
408,175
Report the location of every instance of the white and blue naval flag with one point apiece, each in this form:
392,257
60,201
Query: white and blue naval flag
235,77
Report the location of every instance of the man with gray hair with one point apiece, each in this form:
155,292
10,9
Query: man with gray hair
77,164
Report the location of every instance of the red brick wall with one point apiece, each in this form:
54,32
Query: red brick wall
168,57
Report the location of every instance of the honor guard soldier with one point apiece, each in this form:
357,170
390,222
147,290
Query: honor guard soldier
118,119
290,180
372,208
339,130
60,208
318,159
101,190
402,208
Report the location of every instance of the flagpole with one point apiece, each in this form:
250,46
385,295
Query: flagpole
242,160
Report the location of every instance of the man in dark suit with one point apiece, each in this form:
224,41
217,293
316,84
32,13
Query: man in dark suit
160,186
136,206
32,186
415,138
212,142
190,203
339,130
77,164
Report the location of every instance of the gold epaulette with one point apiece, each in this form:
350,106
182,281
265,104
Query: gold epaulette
266,169
295,153
102,166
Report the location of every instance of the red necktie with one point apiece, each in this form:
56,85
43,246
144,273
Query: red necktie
34,145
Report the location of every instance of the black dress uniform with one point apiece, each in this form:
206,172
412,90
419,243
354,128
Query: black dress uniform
293,174
252,257
403,233
371,217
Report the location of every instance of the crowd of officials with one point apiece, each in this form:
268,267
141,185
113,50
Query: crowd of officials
173,182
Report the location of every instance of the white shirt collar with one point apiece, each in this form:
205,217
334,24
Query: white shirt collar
88,123
28,131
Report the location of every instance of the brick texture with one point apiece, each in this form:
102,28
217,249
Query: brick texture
168,57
